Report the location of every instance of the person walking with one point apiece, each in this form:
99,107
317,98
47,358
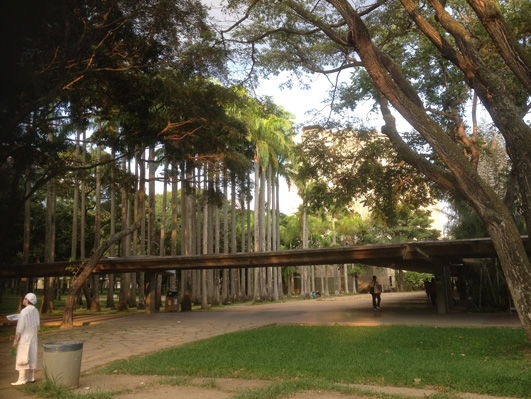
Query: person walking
26,340
375,288
433,292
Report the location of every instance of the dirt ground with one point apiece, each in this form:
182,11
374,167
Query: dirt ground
148,387
115,337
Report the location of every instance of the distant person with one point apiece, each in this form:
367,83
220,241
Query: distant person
26,340
427,287
375,289
433,292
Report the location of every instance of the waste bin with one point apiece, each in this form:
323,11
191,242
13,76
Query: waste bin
62,362
172,301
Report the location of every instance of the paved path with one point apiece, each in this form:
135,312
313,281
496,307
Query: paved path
110,338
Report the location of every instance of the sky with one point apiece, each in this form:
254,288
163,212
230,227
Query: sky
302,103
298,102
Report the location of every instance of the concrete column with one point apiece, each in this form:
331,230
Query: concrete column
442,280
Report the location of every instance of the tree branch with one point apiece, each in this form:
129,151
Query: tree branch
507,44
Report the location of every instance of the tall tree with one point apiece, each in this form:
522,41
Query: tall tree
47,305
95,297
447,35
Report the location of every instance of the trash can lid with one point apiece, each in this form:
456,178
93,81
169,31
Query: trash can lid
62,346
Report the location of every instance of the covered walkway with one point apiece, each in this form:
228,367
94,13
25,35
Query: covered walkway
420,256
441,258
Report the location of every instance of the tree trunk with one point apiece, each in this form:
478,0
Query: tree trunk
257,288
162,244
234,286
305,286
216,299
206,227
26,284
225,294
464,181
174,216
345,277
47,305
277,229
95,302
250,283
112,250
243,272
262,230
86,271
124,277
268,232
151,296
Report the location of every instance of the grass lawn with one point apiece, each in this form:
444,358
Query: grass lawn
490,361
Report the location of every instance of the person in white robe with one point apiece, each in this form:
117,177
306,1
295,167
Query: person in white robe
26,341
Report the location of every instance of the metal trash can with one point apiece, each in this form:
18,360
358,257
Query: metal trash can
62,362
172,301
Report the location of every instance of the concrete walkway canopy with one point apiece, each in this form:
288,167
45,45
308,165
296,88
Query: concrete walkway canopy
420,256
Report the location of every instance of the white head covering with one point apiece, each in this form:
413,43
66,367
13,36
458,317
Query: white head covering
32,298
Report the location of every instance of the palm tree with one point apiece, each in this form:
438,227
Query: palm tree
95,302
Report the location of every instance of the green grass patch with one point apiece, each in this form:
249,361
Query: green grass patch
490,361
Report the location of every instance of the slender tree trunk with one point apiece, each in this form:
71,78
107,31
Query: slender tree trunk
216,299
124,277
162,244
268,221
151,295
326,280
174,216
322,268
234,286
243,272
305,286
185,228
277,286
75,205
257,289
206,227
26,283
47,305
196,214
95,303
277,235
337,279
262,230
345,278
132,277
226,282
210,236
250,271
112,248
